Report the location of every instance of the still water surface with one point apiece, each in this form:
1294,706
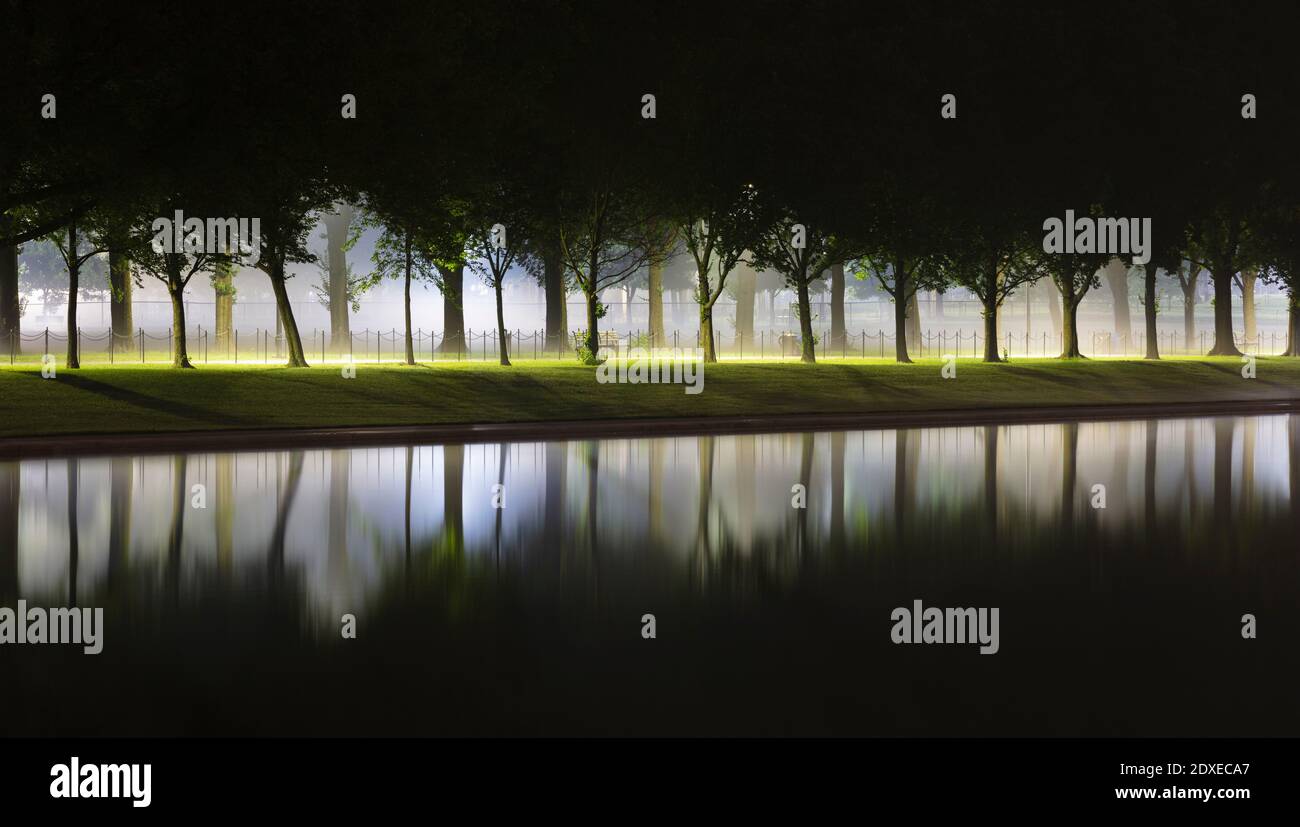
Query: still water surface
770,619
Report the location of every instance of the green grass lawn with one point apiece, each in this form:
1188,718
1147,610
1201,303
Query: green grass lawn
136,399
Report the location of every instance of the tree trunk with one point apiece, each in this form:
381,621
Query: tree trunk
74,287
180,349
1070,327
453,309
284,313
1248,279
553,283
10,312
706,333
900,320
406,304
704,297
1117,279
119,288
1189,312
1223,343
655,321
914,322
1053,295
1149,306
502,335
837,307
592,342
808,349
336,235
991,329
1293,324
223,285
746,282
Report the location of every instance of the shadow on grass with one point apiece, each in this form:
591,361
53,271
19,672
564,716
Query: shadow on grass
153,403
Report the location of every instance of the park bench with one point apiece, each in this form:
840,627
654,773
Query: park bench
791,344
609,341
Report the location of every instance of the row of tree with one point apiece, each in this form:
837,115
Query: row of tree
918,147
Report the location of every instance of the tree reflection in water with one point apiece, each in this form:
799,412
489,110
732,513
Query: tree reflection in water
526,618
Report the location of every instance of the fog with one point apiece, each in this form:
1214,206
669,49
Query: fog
948,322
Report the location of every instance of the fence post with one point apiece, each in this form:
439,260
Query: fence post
142,345
47,342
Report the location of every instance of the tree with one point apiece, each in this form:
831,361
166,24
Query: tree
602,232
1279,236
900,244
717,230
991,257
1220,244
402,252
1074,275
802,255
497,247
1189,276
174,270
75,251
288,211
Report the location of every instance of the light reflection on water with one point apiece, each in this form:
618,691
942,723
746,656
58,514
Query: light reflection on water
1200,515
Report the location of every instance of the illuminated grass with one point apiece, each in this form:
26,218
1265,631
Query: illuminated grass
135,399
